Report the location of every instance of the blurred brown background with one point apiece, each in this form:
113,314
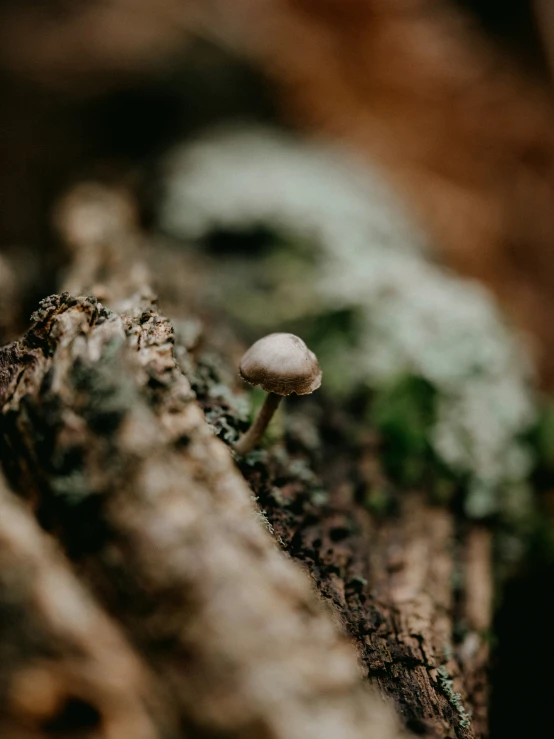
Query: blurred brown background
452,99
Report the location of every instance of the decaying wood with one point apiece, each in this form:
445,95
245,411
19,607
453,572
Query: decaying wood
102,434
64,666
476,615
391,584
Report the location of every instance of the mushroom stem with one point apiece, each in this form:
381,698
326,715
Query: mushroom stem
248,440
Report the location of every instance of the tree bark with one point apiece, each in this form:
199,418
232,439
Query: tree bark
65,667
104,437
392,585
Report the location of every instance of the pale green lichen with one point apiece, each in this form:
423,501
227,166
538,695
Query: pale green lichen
455,699
261,516
351,270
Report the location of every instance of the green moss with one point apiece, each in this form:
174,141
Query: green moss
334,335
404,412
543,435
378,500
319,248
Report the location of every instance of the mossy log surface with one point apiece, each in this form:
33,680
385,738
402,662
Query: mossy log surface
104,437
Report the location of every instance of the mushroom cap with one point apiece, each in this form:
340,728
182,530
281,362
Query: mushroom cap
281,364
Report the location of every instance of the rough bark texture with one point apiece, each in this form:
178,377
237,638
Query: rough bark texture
105,438
391,584
65,667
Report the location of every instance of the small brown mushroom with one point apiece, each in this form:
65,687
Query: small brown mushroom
281,364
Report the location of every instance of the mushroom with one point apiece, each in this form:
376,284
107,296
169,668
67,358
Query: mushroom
281,364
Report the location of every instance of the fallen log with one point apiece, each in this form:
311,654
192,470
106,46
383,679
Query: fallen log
103,435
